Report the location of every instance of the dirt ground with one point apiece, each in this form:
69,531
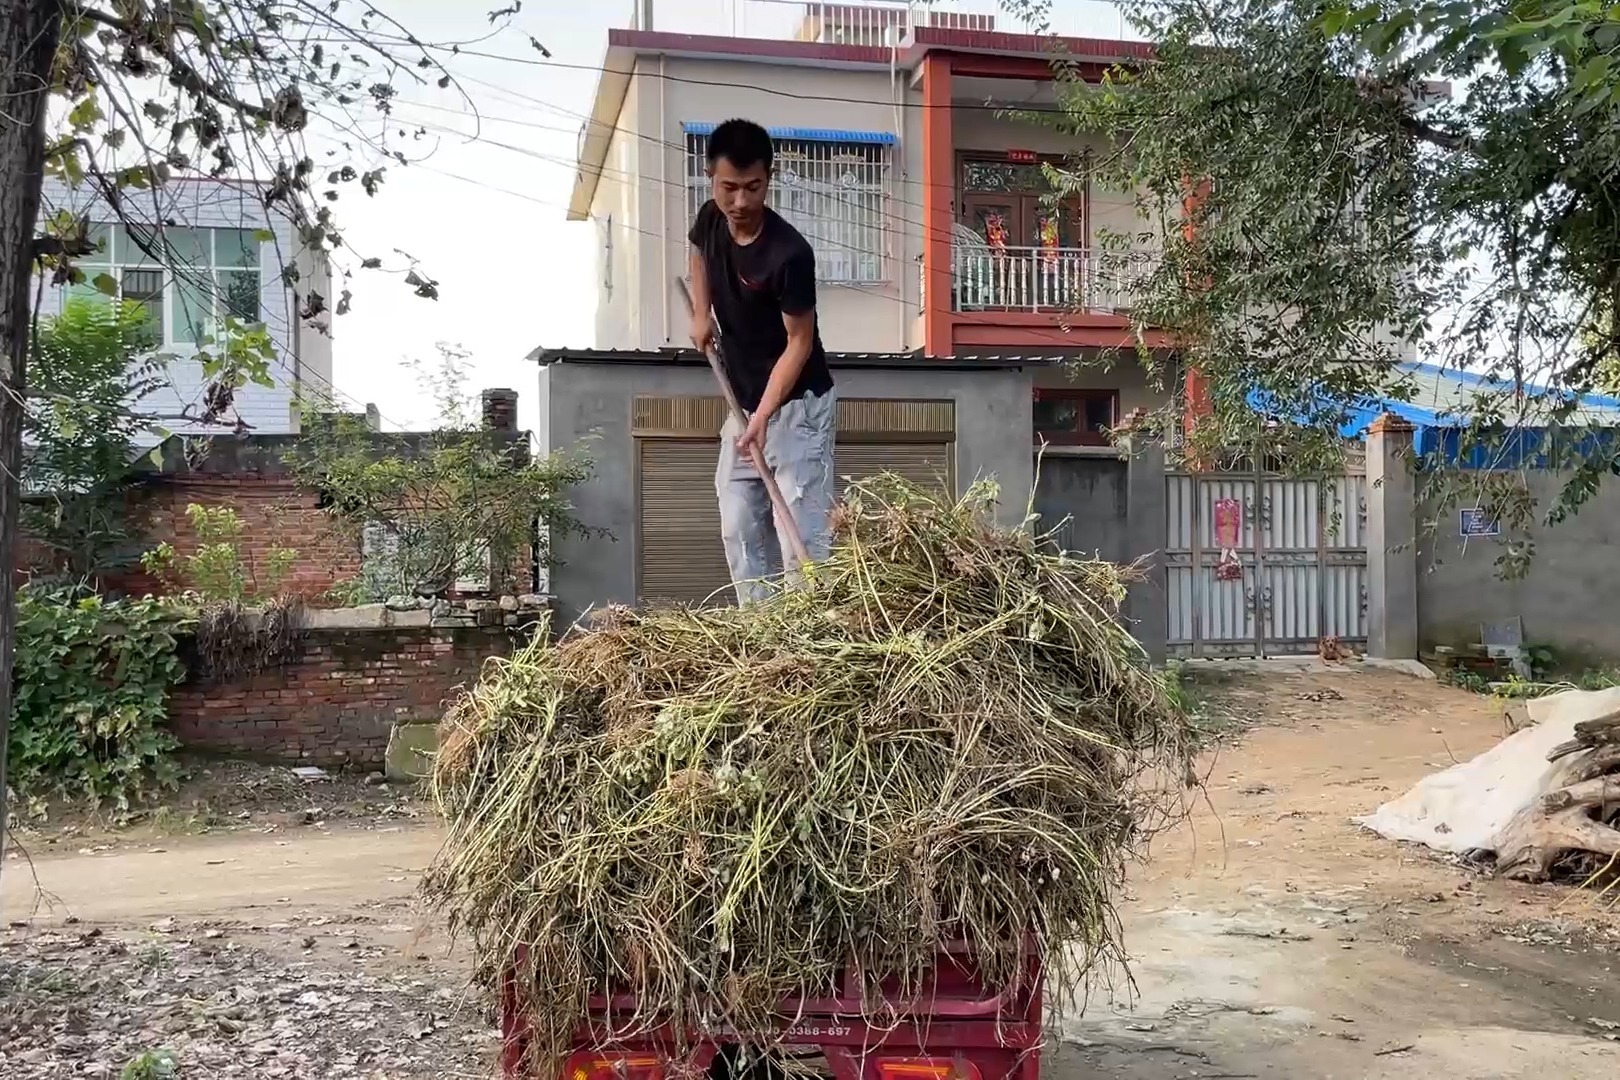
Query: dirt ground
1269,937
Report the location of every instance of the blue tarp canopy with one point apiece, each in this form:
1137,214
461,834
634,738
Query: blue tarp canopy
1441,407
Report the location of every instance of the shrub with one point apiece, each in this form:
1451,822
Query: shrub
92,679
90,379
220,569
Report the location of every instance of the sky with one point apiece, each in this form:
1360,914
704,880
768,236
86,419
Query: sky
488,221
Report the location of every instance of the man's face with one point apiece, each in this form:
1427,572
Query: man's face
740,193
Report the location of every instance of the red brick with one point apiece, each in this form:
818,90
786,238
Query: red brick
316,709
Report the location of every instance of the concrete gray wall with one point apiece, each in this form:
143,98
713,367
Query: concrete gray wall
1090,491
589,405
1570,599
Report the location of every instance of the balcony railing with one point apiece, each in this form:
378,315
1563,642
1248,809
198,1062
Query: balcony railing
875,23
1046,279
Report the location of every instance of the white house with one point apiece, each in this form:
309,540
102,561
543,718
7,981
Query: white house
230,254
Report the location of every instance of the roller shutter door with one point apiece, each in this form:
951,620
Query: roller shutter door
680,557
924,464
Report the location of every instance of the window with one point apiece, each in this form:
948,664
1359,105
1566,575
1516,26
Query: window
1011,204
1071,417
208,274
144,287
832,192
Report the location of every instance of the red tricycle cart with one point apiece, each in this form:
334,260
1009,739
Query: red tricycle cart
956,1029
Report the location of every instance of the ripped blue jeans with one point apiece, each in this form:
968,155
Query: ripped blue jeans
799,450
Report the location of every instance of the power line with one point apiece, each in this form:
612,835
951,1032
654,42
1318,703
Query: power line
603,69
1056,337
686,150
928,231
656,140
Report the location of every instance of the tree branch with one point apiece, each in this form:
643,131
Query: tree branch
1432,135
1396,97
181,71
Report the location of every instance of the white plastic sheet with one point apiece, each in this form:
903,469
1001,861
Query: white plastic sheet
1465,807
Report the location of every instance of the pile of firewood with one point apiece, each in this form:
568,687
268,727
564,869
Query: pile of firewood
1573,830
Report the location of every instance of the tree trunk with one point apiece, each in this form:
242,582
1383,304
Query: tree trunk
28,38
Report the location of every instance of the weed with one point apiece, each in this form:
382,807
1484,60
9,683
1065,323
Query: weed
151,1065
1599,679
169,821
1466,679
1189,691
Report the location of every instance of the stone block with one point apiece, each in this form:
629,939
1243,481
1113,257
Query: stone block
365,617
410,751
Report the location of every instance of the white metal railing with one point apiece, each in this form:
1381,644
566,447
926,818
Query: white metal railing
876,23
943,18
879,23
1045,279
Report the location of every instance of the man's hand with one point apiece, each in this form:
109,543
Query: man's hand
754,434
703,332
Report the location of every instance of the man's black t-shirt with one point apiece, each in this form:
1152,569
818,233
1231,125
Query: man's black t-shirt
752,286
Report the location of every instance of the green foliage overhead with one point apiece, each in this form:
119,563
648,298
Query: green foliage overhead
91,683
144,94
1378,182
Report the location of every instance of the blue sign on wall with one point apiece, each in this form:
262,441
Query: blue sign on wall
1477,522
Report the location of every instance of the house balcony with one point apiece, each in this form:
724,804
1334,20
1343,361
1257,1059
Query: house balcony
1055,281
1030,299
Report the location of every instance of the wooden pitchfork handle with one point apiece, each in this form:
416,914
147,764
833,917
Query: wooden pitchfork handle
755,453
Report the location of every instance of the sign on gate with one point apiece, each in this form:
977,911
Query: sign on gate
1260,564
1228,530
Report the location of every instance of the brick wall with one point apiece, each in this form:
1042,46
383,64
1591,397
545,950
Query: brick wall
251,476
335,702
274,514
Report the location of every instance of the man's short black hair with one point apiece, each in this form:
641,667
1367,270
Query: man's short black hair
741,142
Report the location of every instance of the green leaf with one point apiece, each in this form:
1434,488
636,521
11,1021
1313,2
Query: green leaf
1592,72
105,284
86,114
263,236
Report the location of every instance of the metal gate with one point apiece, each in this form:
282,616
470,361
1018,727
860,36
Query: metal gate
1259,564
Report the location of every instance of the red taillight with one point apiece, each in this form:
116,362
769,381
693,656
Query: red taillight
614,1067
921,1068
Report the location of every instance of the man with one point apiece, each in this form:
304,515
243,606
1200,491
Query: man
758,276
